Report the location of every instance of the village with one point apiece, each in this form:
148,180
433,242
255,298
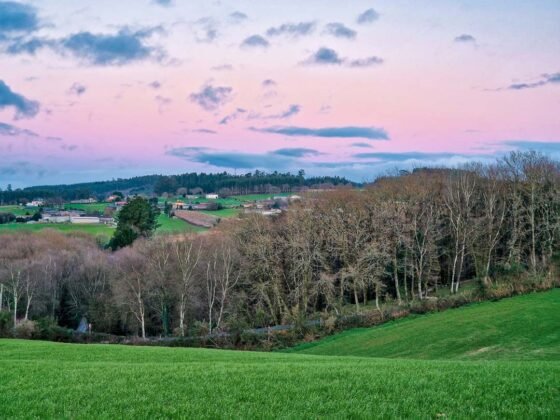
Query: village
201,210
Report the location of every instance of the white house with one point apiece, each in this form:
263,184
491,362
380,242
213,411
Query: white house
35,203
212,196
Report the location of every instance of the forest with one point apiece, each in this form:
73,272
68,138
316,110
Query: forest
397,242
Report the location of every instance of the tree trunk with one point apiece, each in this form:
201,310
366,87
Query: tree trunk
16,297
396,277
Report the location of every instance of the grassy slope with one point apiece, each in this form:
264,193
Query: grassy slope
40,379
521,328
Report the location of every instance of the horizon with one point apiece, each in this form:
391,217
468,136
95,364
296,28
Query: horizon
91,93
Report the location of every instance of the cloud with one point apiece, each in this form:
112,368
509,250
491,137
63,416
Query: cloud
546,79
155,85
268,83
204,131
121,48
12,131
367,17
403,156
328,56
546,147
211,97
31,46
340,31
233,116
205,30
292,29
77,89
164,3
465,38
124,47
296,152
255,41
291,111
25,108
361,144
17,17
324,56
223,67
365,62
232,160
238,17
370,133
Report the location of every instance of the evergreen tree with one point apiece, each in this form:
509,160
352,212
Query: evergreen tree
138,218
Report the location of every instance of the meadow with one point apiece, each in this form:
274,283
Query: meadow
39,379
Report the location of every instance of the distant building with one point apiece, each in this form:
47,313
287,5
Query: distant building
84,201
36,203
180,205
85,220
212,196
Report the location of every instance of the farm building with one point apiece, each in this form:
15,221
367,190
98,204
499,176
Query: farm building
38,202
212,196
84,220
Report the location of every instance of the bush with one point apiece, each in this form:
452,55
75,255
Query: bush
25,329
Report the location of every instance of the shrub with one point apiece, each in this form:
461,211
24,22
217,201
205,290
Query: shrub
25,329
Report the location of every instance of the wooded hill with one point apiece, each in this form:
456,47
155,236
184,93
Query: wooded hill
257,182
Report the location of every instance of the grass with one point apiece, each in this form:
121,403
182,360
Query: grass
520,328
97,229
18,210
222,213
175,225
39,379
87,207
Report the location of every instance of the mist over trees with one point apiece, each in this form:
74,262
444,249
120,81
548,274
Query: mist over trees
397,241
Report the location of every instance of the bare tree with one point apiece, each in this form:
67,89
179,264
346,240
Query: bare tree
187,256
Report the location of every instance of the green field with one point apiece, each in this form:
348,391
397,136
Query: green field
39,379
520,328
97,229
18,210
90,207
222,213
174,225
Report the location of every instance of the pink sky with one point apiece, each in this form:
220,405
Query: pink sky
446,83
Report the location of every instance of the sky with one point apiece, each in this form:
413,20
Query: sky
96,90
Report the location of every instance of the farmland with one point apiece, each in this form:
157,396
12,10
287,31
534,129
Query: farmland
39,379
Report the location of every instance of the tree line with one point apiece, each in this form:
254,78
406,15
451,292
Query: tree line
228,184
397,241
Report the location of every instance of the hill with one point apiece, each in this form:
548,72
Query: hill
519,328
